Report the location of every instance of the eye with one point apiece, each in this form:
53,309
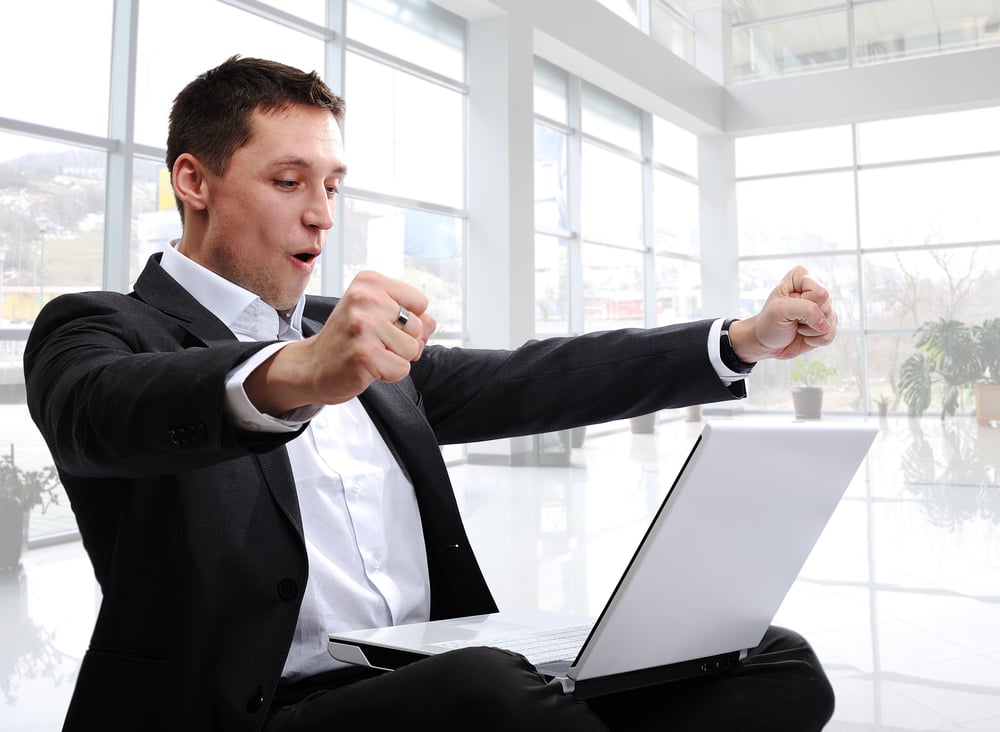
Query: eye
332,191
285,184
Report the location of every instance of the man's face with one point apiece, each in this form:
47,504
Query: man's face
267,217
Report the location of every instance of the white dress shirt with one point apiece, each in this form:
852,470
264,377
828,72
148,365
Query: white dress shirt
365,546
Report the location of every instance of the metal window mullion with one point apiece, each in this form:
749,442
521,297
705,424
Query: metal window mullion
859,263
644,12
335,75
636,157
785,17
871,166
404,202
121,127
275,14
69,137
615,245
399,64
574,197
553,124
648,225
675,173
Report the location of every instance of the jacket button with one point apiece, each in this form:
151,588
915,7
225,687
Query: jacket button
256,700
288,589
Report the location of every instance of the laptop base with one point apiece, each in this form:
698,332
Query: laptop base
612,684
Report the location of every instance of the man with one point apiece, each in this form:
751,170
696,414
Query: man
251,468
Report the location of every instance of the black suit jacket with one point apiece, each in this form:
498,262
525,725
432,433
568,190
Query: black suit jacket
193,525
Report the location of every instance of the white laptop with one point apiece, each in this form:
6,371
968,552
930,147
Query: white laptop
705,582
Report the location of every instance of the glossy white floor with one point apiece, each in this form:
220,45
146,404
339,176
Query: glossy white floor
901,597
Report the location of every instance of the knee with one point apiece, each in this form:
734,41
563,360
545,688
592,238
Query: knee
487,678
788,658
502,691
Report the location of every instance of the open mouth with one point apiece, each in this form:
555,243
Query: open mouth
305,257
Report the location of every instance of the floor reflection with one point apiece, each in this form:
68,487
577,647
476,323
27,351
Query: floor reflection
901,596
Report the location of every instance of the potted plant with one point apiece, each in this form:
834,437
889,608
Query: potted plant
809,375
987,340
882,404
20,491
958,357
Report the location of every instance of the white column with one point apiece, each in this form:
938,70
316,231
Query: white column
713,39
718,226
500,265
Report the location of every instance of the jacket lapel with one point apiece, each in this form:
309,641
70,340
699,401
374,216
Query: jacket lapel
161,291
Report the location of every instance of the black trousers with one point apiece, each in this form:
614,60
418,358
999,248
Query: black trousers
780,687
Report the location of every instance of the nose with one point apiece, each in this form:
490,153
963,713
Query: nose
319,211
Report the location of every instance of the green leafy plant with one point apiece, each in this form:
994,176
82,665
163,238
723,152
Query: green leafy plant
987,339
27,488
811,372
956,356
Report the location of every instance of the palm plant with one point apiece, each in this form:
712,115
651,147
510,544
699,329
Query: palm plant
954,355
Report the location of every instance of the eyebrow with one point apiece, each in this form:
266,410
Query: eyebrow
294,161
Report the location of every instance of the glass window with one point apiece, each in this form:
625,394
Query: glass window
550,91
675,147
611,206
627,9
404,136
220,32
609,118
744,12
678,290
675,215
56,56
154,213
414,30
551,285
53,239
784,48
787,152
51,242
550,179
425,249
897,29
908,288
667,28
613,291
929,136
312,10
799,213
930,203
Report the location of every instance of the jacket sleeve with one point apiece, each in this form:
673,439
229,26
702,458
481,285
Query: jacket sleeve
559,383
118,388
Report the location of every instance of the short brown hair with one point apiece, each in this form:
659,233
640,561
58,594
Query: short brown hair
210,118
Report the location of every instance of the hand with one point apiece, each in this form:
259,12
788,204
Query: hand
361,342
797,317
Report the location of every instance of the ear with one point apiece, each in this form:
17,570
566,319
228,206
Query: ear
190,185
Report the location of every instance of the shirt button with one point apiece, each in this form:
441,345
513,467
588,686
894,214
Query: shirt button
376,563
256,700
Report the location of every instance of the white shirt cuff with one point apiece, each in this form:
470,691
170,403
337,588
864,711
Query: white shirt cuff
725,373
246,415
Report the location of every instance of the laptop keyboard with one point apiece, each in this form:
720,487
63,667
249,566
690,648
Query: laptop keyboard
538,647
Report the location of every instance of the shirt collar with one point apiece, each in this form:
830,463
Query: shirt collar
243,312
